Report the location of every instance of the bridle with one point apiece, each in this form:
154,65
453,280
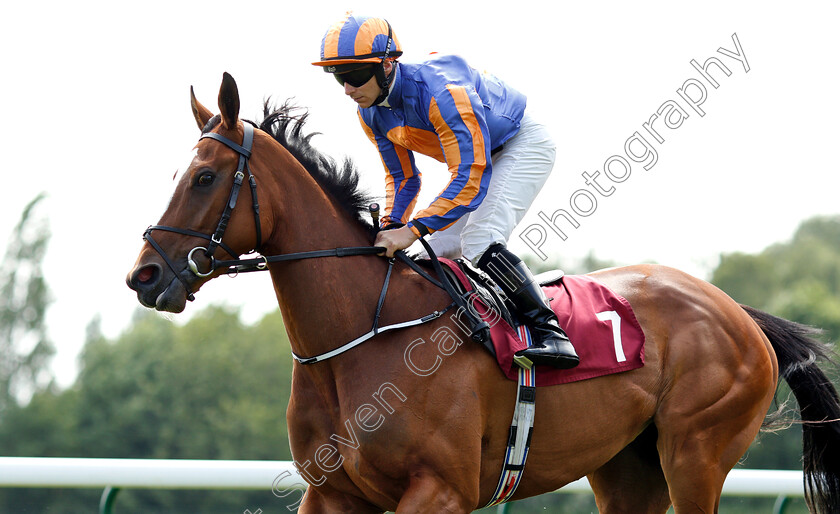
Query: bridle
237,265
242,170
481,329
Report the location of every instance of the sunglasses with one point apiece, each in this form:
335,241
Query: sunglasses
356,78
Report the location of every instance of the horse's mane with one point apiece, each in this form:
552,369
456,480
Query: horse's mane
341,182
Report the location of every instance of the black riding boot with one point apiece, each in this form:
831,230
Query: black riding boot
551,345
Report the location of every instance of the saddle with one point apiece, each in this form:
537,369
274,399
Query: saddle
600,323
472,284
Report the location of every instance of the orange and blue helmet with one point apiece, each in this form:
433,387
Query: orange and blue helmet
356,40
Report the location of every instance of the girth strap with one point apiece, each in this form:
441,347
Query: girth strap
521,428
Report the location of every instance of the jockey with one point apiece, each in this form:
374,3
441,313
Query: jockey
498,156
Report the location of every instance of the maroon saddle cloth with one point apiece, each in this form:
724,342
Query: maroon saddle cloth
599,322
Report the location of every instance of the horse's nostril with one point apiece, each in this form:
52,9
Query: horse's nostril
145,275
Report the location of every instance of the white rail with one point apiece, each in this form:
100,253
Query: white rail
146,473
250,474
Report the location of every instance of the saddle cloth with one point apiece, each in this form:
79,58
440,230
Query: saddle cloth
599,322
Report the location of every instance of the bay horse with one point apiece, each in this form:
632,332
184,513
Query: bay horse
371,435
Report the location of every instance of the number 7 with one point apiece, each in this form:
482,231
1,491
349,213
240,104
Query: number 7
615,320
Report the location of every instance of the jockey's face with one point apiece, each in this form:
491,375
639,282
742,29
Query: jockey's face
368,92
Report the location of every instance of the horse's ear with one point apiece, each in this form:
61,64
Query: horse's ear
202,114
229,102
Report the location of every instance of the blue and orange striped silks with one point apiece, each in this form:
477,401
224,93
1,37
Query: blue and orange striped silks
447,110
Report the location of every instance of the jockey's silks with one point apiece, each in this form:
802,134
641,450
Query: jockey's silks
447,110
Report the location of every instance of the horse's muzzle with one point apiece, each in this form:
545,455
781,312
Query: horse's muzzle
155,289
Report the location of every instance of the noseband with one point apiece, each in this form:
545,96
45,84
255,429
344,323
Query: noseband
242,170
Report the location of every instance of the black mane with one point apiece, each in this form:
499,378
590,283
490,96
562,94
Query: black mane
341,182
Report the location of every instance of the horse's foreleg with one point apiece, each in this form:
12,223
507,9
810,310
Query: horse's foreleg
429,493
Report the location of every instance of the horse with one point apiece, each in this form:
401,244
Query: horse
371,435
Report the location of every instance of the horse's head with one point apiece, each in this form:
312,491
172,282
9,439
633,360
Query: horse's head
200,224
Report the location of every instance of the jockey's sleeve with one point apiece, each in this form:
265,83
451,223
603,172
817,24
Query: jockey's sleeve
402,180
457,115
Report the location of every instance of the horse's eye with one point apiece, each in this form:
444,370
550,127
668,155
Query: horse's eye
205,179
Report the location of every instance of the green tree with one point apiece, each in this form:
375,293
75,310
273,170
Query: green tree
213,388
25,349
798,280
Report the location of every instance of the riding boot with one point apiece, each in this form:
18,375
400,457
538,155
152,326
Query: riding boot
551,345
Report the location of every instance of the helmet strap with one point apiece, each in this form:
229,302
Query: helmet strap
383,81
379,71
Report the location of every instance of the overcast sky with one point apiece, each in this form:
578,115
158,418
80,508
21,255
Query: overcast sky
96,113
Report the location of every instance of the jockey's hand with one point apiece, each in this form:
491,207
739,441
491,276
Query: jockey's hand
393,240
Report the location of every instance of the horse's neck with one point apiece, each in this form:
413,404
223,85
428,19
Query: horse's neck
325,301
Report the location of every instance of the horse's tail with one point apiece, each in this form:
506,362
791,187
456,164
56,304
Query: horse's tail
797,352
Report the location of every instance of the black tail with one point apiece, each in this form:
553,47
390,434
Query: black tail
797,352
